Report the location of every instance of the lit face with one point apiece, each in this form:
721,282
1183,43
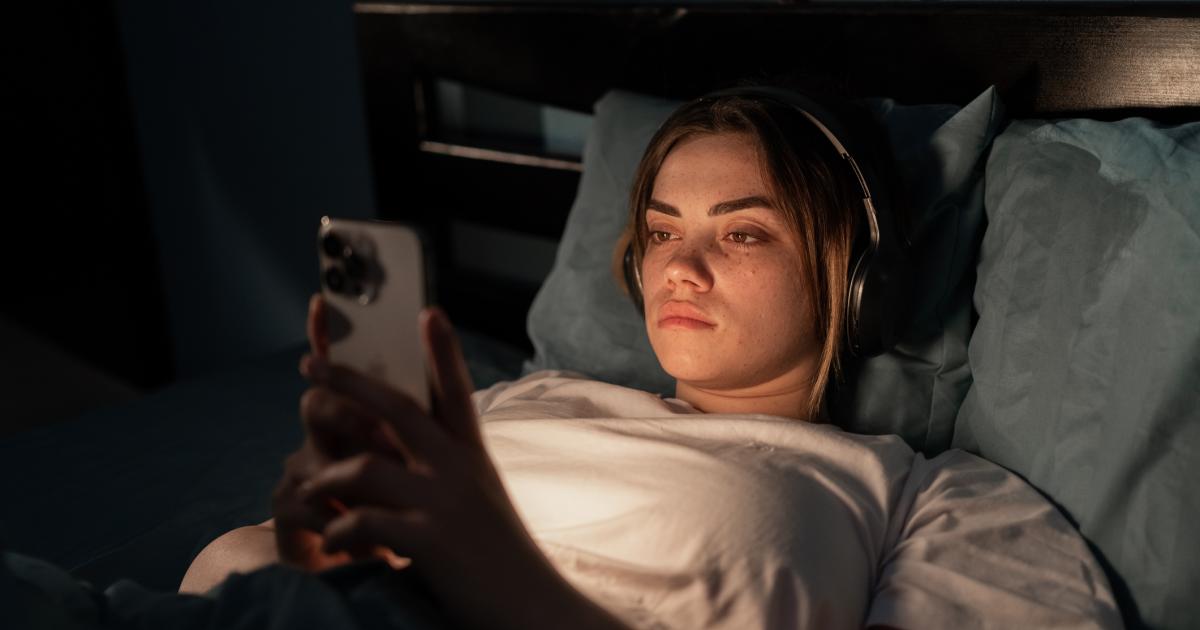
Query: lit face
725,303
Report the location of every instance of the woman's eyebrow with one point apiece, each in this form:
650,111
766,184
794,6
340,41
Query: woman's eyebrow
724,207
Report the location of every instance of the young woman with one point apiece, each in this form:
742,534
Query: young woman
557,501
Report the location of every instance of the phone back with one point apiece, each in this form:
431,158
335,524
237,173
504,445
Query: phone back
373,281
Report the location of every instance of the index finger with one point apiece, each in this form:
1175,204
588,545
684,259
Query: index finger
419,433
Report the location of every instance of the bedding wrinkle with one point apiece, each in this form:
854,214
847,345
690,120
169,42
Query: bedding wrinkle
1018,287
969,536
908,600
1019,323
1094,359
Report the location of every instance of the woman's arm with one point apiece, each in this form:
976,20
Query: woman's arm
560,605
239,551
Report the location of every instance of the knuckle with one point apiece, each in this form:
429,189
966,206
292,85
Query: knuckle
298,466
312,402
356,521
283,492
322,407
364,466
292,466
284,508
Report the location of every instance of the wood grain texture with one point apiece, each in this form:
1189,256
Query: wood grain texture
1045,60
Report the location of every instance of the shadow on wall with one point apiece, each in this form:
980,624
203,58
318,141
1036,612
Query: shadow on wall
250,123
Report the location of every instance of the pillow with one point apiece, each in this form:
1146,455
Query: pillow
580,320
1086,357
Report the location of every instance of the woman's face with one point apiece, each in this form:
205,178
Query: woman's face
725,304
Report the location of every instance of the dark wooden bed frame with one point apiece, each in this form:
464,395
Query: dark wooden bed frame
1098,60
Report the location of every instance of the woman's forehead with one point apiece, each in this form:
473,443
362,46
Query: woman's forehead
722,165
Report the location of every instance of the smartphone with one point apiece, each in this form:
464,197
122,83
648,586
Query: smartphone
374,283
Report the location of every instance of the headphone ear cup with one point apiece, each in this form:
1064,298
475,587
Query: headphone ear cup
856,326
633,280
877,307
869,331
881,313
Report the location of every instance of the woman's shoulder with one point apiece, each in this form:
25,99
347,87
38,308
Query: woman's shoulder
972,542
964,482
960,465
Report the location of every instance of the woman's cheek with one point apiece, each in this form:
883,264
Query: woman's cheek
769,284
745,273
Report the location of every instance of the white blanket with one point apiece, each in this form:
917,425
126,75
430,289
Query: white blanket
674,518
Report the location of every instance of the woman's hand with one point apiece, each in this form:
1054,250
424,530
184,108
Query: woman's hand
379,475
331,432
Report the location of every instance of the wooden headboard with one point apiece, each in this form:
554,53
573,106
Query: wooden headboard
1098,60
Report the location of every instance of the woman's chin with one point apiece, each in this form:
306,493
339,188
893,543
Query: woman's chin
692,369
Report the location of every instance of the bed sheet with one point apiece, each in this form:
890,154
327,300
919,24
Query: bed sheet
136,491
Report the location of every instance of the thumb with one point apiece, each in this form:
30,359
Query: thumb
451,384
316,326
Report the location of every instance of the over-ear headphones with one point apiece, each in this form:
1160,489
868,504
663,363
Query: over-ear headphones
878,295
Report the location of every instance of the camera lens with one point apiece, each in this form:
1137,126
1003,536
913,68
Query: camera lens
335,279
331,245
355,266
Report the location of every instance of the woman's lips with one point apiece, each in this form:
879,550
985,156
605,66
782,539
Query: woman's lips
677,314
683,322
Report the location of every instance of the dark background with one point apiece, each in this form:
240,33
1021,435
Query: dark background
168,164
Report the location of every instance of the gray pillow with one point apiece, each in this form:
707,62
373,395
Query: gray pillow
581,321
1086,357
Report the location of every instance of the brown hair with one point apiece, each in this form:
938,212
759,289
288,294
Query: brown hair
807,181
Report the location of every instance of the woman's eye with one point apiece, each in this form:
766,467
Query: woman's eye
659,236
743,238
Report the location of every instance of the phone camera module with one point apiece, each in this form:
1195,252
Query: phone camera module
335,279
332,245
352,270
356,267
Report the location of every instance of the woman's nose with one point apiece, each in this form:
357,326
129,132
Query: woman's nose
689,268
